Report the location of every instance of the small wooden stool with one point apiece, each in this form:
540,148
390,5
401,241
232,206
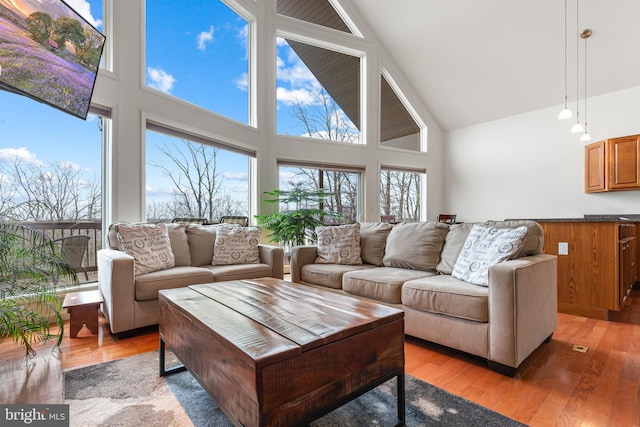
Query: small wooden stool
83,310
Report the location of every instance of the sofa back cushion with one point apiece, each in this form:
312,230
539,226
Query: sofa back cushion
201,240
415,245
452,246
179,243
148,244
339,244
373,239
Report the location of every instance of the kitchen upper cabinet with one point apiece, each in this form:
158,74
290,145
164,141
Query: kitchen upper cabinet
613,165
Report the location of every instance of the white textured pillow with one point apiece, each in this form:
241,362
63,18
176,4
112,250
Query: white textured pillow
339,244
484,247
236,245
148,244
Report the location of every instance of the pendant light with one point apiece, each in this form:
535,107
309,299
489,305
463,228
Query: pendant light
565,113
577,127
585,35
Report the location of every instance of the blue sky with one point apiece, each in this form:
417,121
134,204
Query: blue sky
196,51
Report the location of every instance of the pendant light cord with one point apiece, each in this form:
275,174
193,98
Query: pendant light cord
577,60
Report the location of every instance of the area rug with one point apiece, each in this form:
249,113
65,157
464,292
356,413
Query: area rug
129,392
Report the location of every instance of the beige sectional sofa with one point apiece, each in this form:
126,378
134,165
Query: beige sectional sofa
131,300
413,266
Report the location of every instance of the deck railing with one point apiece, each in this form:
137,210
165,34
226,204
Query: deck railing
57,230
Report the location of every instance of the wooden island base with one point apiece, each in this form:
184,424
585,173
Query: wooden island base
273,353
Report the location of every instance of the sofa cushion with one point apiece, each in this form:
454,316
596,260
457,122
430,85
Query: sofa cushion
328,275
238,271
236,244
148,244
381,284
447,295
201,239
179,243
373,239
339,244
148,285
415,245
452,246
484,247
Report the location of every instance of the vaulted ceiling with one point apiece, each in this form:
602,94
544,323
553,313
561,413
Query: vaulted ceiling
473,61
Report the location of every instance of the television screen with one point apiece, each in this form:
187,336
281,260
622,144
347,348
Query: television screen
48,52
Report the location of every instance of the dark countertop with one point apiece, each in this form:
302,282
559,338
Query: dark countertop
592,218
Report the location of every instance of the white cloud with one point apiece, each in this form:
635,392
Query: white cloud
160,79
242,82
296,73
236,176
295,96
18,155
205,38
84,9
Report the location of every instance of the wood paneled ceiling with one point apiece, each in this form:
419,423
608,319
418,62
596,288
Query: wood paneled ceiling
340,73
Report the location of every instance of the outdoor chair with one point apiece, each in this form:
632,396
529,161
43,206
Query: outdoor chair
234,219
390,219
187,221
73,249
447,218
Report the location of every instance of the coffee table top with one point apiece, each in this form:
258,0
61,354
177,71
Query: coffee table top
270,320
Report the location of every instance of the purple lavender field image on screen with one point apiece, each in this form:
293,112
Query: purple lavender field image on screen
49,53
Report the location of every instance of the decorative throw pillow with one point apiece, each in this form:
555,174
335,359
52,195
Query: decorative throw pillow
484,247
339,244
148,244
236,245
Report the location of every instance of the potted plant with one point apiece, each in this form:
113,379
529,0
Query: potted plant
296,227
29,273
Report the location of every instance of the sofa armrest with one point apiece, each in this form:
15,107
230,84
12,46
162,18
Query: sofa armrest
274,257
116,281
301,256
523,307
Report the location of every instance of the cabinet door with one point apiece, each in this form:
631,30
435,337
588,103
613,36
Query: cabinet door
624,163
594,167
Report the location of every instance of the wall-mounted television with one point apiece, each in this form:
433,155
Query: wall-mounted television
49,53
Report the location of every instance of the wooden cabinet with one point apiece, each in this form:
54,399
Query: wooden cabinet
612,165
595,277
627,258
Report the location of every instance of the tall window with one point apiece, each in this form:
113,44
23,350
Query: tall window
193,179
401,193
318,92
202,57
397,126
345,183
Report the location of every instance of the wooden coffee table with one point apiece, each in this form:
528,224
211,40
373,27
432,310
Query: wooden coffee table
274,353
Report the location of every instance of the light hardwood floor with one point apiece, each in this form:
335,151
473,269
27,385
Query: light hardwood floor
555,385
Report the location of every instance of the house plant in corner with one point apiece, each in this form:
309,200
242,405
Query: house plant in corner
28,292
296,227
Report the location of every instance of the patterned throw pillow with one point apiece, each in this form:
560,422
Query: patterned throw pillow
484,247
339,244
148,244
236,245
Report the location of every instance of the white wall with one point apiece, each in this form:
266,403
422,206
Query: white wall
531,166
122,89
